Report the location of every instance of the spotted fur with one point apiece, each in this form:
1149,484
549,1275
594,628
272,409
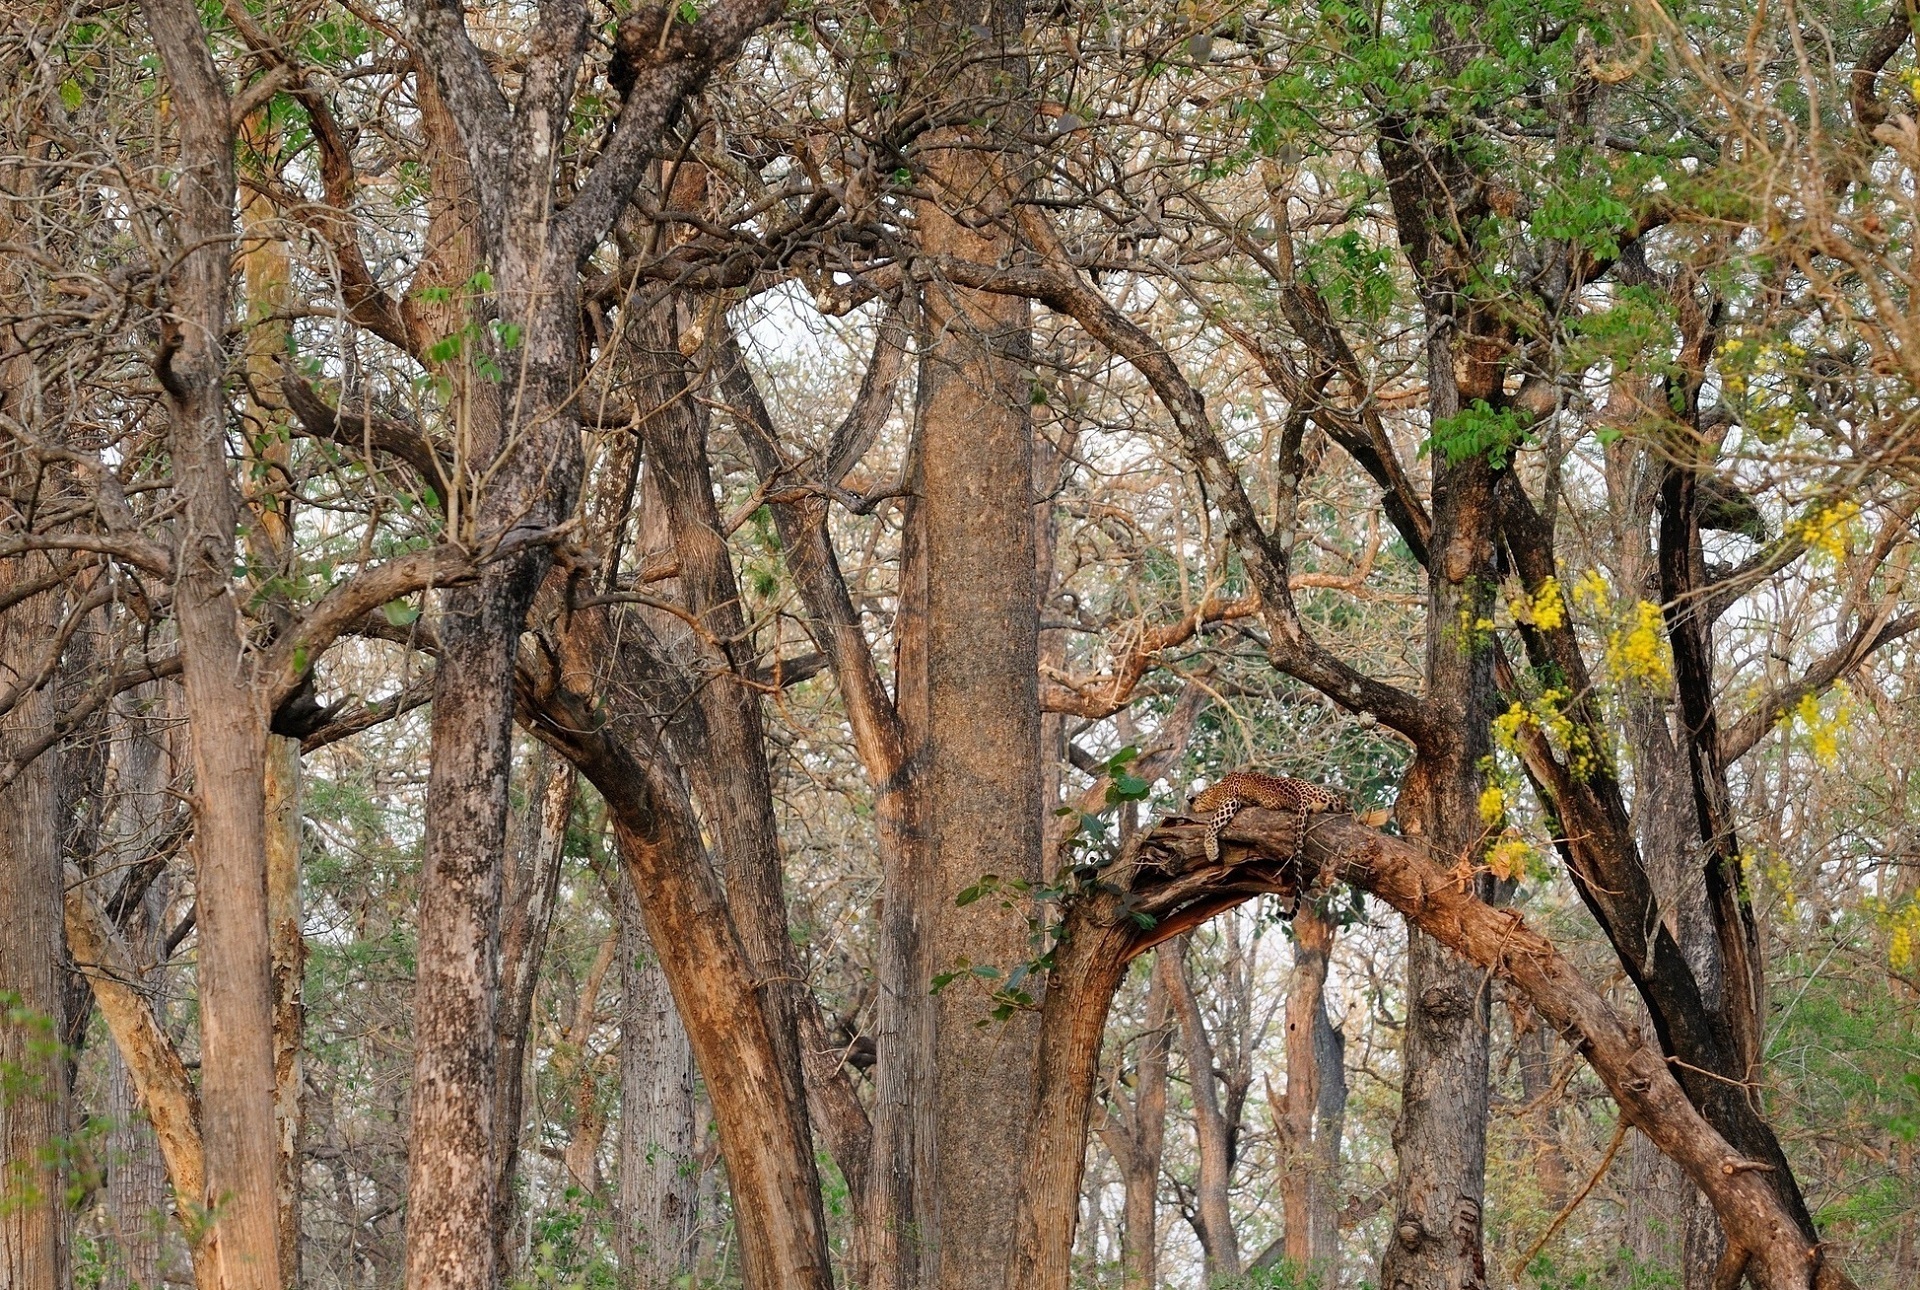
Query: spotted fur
1222,801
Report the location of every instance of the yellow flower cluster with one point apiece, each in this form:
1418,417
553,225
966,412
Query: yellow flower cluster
1493,804
1545,609
1823,731
1545,714
1637,650
1590,589
1828,531
1511,857
1903,937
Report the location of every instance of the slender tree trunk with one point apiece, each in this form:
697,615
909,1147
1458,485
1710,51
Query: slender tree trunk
136,1184
1314,1107
531,891
1219,1242
1144,1133
656,1208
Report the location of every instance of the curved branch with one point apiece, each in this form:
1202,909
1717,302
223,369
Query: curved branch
1166,877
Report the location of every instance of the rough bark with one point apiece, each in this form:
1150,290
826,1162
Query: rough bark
531,889
34,1219
228,723
1310,1115
656,1206
982,723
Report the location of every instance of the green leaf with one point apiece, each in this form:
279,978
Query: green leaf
400,613
71,95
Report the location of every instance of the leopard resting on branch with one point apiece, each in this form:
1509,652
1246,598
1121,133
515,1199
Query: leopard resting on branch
1220,802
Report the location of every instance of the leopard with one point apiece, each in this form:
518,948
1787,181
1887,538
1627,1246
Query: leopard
1220,802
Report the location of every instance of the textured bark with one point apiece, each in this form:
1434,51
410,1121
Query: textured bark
227,717
656,1207
982,722
452,1147
289,956
34,1219
724,752
1310,1116
524,454
1440,1139
1219,1242
775,1190
531,888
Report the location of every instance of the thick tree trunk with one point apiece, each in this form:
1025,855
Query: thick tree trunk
34,1218
228,725
656,1208
1441,1138
982,714
452,1149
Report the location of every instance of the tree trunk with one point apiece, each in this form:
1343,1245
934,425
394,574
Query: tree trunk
34,1217
228,727
136,1184
452,1147
289,954
656,1209
775,1189
1137,1140
1314,1106
531,890
1219,1242
725,756
982,722
1441,1137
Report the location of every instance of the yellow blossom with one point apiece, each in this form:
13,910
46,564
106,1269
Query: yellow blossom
1549,609
1493,804
1510,857
1637,651
1826,531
